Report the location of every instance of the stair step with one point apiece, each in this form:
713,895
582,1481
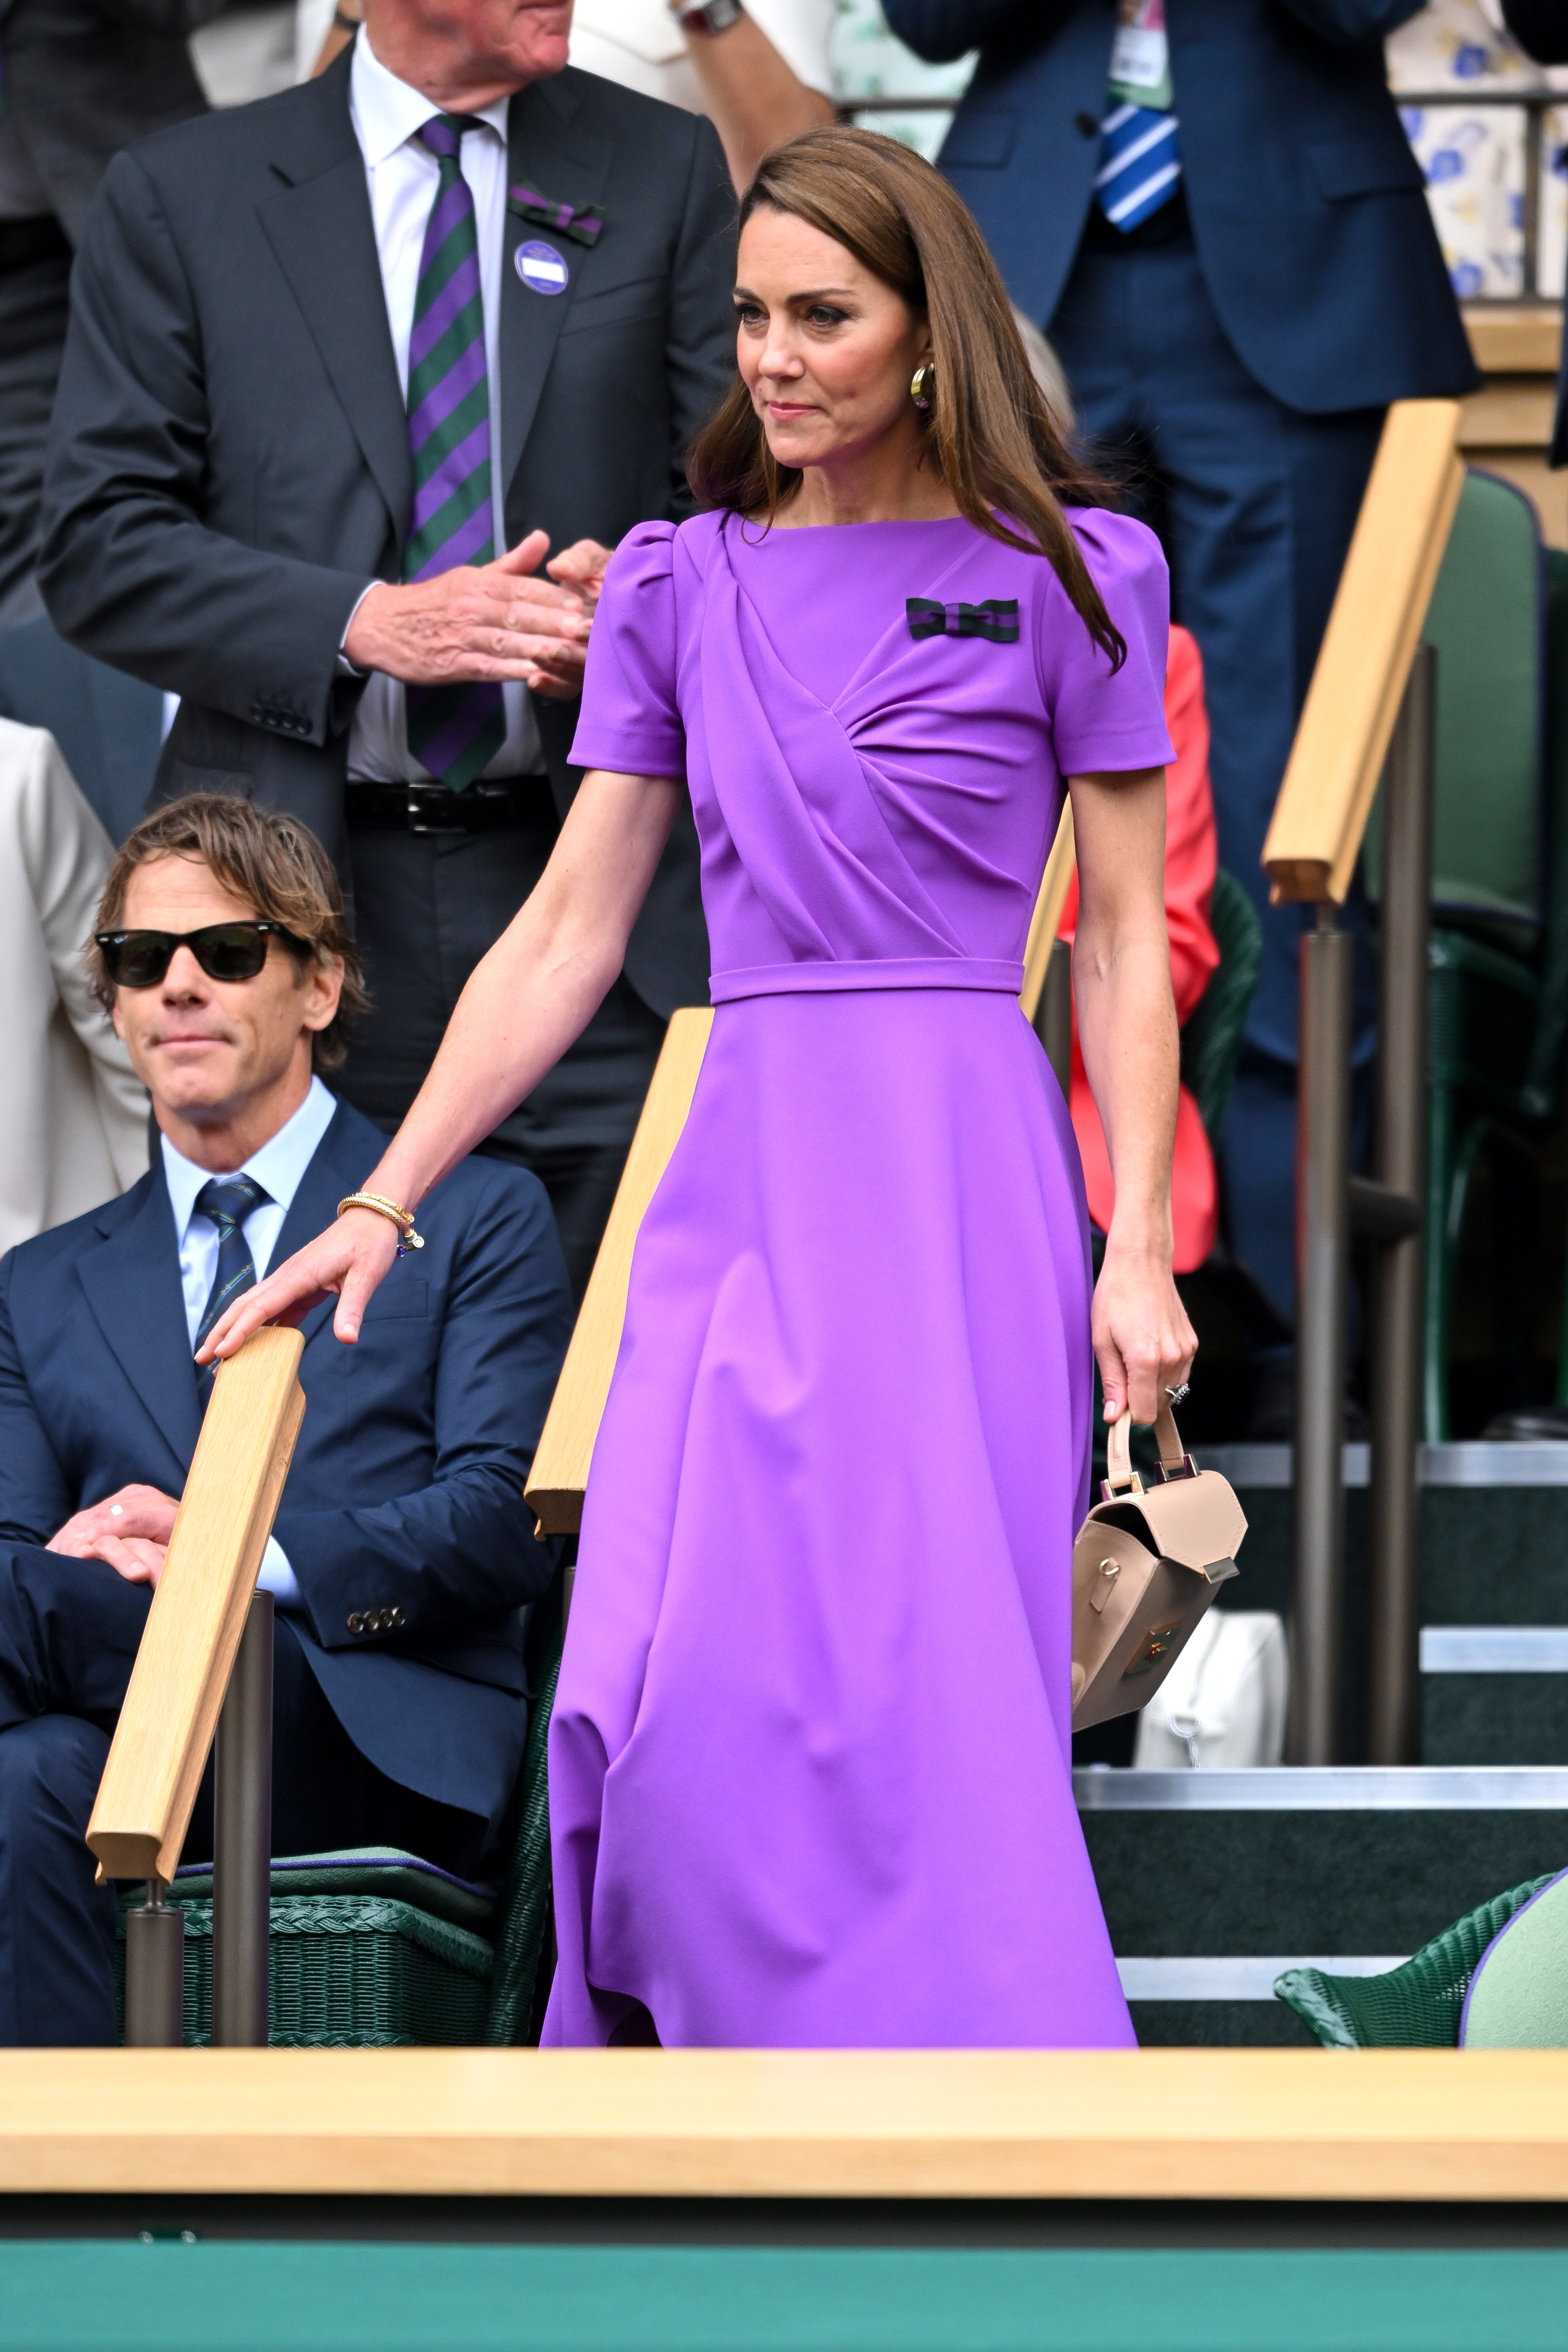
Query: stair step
1494,1694
1293,1867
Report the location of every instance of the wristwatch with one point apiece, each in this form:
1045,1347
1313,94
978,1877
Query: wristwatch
705,15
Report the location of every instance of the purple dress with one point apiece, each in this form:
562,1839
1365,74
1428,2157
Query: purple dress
809,1765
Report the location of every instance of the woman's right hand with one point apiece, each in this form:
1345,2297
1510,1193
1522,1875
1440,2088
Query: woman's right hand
349,1258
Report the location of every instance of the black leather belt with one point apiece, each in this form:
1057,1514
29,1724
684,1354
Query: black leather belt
504,803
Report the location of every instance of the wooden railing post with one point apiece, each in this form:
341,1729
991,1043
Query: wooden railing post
187,1653
1367,673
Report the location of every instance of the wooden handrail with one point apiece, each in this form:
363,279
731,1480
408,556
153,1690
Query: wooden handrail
1046,920
1378,613
198,1612
558,1478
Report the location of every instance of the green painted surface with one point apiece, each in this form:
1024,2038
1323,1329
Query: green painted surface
71,2296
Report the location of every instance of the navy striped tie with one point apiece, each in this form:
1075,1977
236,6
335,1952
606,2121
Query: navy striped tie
228,1202
455,731
1140,163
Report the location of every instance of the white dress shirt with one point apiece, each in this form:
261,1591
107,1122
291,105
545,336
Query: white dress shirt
277,1167
401,174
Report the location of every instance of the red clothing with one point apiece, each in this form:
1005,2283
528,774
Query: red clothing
1191,856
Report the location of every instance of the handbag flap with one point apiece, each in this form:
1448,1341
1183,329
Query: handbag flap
1191,1514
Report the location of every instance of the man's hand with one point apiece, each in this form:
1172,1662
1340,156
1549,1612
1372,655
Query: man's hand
486,621
129,1531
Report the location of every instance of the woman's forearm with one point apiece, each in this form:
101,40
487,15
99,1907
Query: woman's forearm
540,984
1127,1027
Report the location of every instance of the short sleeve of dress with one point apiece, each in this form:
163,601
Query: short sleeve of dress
630,721
1102,719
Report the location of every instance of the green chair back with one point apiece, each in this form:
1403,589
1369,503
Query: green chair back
1415,2007
1518,1997
1487,622
1212,1038
515,2013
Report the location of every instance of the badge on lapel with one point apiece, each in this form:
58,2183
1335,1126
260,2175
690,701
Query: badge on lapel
996,619
541,267
582,223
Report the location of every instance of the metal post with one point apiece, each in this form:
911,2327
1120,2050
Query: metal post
1054,1028
1323,1279
154,1973
1397,1318
242,1841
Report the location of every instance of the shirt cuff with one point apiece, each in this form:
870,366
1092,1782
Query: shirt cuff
346,668
278,1578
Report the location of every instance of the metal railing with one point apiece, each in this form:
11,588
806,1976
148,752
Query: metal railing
1369,714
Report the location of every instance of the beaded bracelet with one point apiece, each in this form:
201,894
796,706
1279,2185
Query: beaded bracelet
402,1218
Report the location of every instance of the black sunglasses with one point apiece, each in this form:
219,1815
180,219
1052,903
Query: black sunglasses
223,950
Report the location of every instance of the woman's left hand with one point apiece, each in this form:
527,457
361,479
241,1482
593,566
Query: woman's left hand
1144,1343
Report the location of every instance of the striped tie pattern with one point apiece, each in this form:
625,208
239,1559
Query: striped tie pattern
228,1202
1140,163
455,731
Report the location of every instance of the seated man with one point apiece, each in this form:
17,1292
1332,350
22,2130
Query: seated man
403,1551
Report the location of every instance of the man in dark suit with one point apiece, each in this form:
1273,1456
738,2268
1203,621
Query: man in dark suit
402,1551
331,357
1211,207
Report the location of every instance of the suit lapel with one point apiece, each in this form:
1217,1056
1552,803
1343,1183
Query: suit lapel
313,1208
544,151
133,1285
320,227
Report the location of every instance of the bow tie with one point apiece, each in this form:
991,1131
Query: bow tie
578,221
995,619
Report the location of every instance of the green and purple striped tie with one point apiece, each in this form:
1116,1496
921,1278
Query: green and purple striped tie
456,731
229,1201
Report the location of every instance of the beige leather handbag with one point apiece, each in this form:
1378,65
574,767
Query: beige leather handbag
1146,1564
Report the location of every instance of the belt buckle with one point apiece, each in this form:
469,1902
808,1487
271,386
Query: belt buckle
415,819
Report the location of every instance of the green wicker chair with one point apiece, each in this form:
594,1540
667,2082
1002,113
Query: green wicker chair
1211,1040
377,1949
1416,2007
1498,955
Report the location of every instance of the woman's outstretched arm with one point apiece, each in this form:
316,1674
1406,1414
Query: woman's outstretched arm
1127,1026
533,995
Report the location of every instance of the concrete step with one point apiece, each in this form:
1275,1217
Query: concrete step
1494,1694
1215,1882
1494,1551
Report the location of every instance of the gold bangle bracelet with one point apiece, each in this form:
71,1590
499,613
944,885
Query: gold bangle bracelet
402,1218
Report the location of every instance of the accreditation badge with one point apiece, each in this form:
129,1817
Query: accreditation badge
1140,56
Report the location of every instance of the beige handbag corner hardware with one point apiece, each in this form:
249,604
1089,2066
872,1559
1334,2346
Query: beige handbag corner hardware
1146,1564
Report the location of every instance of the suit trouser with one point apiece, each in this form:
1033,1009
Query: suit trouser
427,906
1256,503
68,1635
35,282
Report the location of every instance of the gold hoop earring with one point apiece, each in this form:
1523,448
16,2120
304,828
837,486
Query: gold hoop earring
921,385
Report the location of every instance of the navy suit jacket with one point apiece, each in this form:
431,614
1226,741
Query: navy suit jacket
406,1488
1308,207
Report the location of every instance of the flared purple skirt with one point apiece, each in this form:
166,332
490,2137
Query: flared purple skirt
810,1764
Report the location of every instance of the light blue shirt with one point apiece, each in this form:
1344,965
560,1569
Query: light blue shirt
277,1167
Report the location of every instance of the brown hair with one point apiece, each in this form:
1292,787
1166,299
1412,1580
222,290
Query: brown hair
271,861
990,431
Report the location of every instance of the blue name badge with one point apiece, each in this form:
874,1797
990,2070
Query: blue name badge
542,267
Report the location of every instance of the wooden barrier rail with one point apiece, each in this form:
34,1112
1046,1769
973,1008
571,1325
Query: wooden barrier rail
1358,684
198,1614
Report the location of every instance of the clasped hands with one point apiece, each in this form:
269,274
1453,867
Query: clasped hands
486,621
129,1531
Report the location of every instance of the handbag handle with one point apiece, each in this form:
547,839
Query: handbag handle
1122,1478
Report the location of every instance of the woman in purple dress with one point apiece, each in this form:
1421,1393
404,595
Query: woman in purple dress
810,1764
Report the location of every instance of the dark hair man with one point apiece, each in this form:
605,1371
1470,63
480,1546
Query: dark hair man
402,1551
342,365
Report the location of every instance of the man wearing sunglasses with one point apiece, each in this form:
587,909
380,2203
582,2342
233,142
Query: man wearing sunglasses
402,1551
